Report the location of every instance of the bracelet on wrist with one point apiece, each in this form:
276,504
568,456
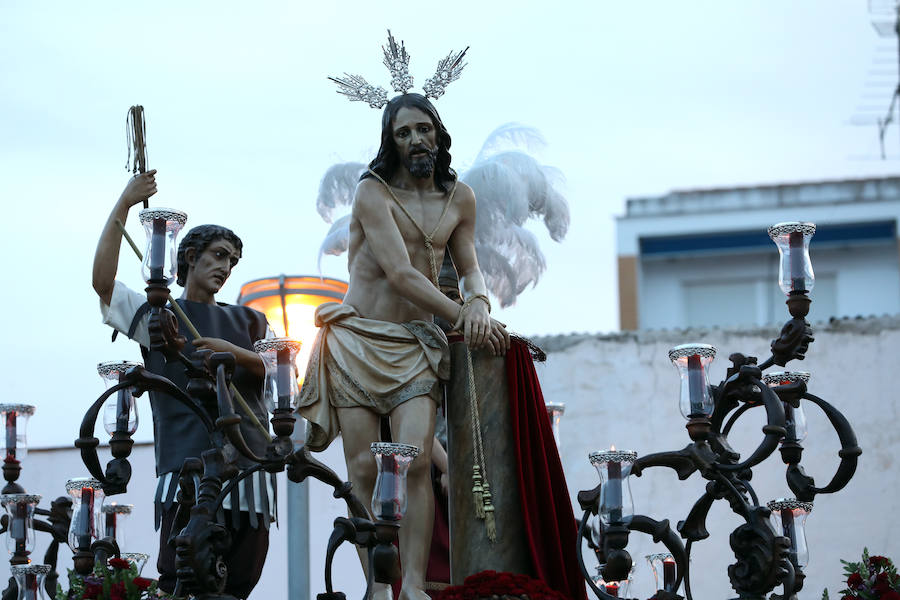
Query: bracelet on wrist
484,297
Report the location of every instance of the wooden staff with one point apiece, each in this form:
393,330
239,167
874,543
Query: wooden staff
196,334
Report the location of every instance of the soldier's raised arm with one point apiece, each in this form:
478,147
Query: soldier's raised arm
106,257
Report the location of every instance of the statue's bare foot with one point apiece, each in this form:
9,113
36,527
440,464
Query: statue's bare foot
382,591
410,593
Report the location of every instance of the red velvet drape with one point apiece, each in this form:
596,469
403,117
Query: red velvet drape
546,509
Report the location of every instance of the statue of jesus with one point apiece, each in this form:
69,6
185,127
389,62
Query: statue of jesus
380,353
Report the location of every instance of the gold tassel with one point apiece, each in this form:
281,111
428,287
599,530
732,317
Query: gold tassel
489,523
477,491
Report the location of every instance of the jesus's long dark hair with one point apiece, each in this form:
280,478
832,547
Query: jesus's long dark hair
387,161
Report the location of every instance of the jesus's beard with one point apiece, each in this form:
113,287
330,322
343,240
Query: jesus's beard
422,165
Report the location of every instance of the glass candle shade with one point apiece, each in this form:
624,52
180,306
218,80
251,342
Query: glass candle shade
692,362
789,519
794,418
664,570
20,532
120,411
614,467
138,559
162,226
15,441
389,497
87,500
555,410
596,529
279,355
795,272
619,589
114,517
30,581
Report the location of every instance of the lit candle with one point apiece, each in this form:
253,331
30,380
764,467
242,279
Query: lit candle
669,574
110,524
85,517
122,407
787,525
388,492
284,374
17,527
158,249
31,587
790,422
696,383
10,435
614,489
798,278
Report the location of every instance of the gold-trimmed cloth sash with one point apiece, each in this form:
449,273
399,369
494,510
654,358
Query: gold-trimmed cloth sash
369,363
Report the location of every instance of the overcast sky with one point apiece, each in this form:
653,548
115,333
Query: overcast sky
633,98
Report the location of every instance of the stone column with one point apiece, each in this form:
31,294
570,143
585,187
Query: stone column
470,549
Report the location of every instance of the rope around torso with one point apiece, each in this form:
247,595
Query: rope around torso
429,237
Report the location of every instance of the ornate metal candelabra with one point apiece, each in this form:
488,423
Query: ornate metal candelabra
770,546
22,514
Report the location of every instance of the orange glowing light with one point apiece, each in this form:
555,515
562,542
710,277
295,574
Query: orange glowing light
289,303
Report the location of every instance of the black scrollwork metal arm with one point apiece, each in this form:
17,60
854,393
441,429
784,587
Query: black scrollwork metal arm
801,484
118,472
773,430
659,531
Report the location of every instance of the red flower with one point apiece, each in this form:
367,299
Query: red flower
854,581
848,597
92,590
117,591
142,583
890,595
878,561
882,583
119,563
491,583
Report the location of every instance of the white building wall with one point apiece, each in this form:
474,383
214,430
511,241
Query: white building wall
621,389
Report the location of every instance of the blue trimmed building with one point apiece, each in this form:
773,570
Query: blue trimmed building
703,257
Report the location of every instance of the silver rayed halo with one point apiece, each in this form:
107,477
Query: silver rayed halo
396,59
